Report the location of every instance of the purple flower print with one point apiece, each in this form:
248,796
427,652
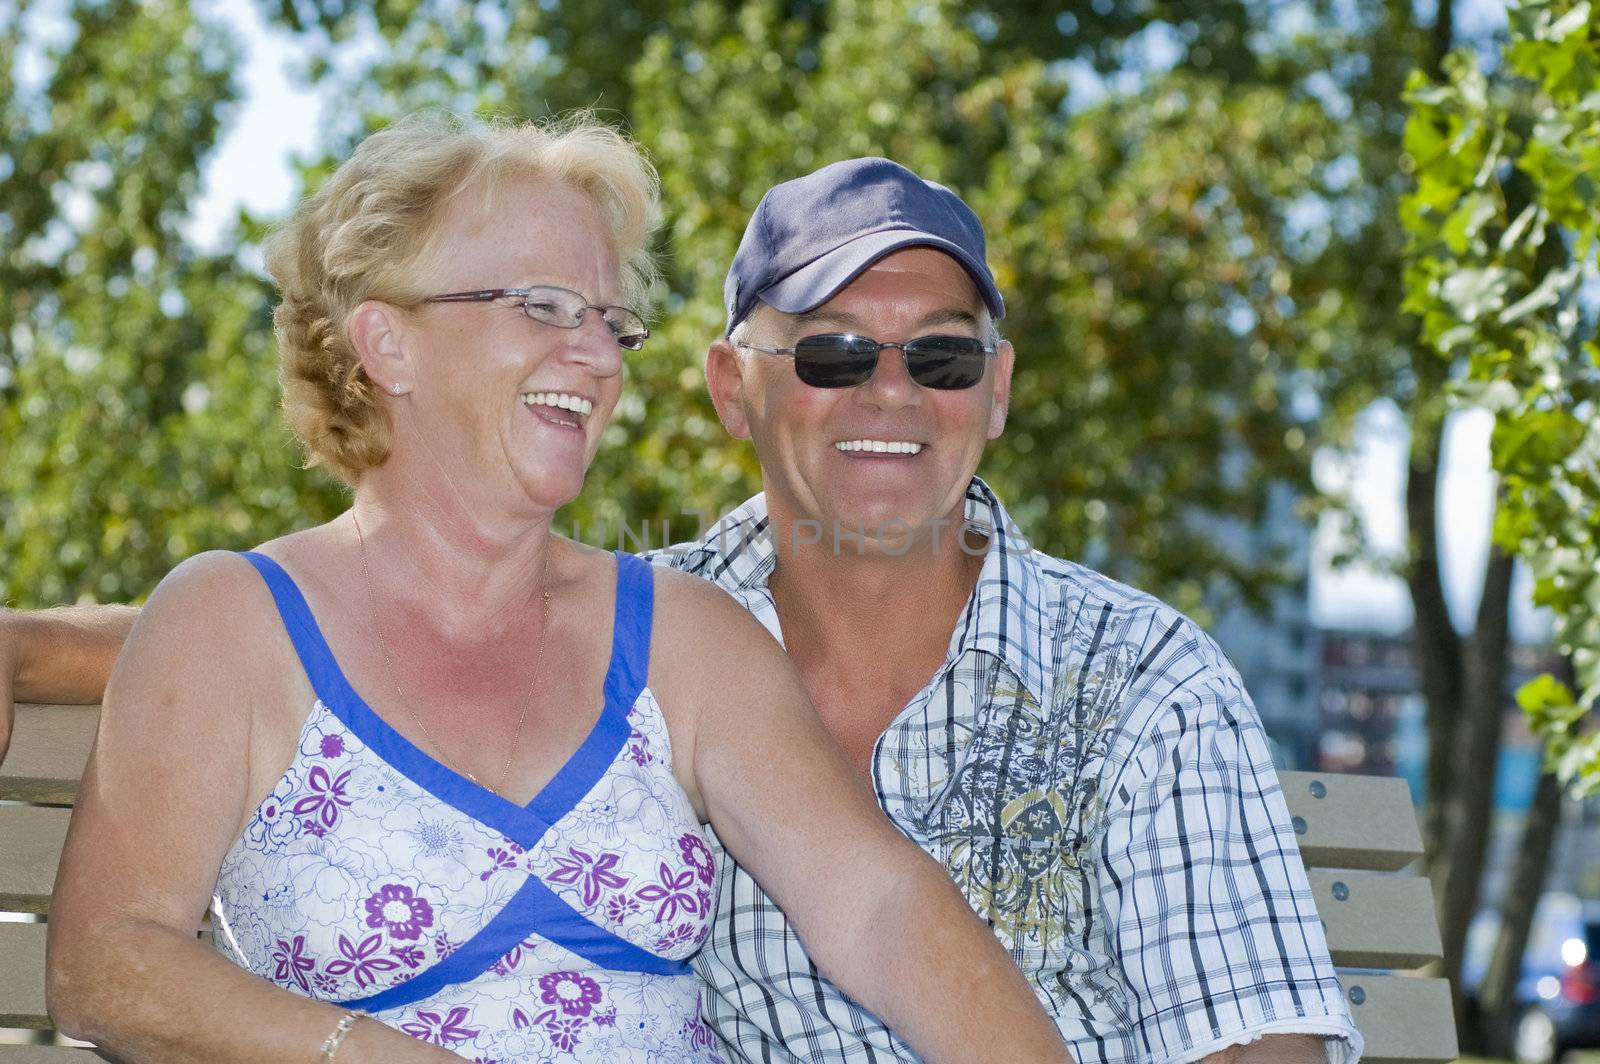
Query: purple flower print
563,1031
429,1027
607,1018
404,915
327,795
672,892
410,956
362,959
595,873
520,1021
697,855
575,993
311,827
332,746
639,749
620,907
292,962
513,845
678,936
501,859
442,945
513,958
699,1034
326,984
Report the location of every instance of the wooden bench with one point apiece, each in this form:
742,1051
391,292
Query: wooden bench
1357,834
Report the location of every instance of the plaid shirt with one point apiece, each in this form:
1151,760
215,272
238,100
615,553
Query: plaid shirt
1088,768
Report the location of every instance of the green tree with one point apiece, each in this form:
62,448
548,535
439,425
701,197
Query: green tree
1502,227
1505,232
137,413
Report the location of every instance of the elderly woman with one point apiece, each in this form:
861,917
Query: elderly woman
430,765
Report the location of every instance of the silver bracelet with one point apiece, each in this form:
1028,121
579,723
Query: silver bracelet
331,1044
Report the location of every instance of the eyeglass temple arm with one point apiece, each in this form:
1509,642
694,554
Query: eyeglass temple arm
474,297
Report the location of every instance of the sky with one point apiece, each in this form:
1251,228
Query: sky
279,119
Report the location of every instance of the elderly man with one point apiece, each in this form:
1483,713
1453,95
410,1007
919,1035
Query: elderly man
1081,758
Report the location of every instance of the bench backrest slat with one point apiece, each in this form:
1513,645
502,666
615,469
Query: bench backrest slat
30,842
1376,919
1352,821
51,742
1405,1019
22,977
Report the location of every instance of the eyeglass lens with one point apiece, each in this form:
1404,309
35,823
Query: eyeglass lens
564,309
843,361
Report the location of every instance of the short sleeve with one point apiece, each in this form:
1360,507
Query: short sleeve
1208,907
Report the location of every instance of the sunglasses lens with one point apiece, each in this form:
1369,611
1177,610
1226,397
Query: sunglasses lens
835,361
946,362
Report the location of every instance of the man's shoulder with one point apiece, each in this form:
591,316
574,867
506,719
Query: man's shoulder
1135,664
1085,598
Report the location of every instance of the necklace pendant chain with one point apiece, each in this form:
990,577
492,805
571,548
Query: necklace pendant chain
394,672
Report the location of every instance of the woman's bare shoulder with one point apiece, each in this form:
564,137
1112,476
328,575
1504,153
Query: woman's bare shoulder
212,619
698,609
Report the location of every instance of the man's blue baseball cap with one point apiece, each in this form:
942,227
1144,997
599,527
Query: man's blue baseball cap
812,236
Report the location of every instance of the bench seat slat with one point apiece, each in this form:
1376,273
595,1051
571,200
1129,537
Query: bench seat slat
1364,822
30,838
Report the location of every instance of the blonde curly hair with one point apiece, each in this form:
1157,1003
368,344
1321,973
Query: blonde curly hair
360,236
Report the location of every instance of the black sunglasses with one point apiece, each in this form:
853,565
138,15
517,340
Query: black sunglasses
843,360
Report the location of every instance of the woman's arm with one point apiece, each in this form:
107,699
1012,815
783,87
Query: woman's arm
879,916
60,655
161,802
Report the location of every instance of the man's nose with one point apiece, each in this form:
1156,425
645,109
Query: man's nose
890,387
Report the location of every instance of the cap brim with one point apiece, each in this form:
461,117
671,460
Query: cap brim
817,282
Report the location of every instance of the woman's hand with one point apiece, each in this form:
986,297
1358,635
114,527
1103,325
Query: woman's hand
875,912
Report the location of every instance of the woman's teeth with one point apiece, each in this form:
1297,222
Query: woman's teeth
562,401
880,446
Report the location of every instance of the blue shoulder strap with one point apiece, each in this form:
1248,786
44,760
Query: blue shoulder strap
625,680
327,679
630,631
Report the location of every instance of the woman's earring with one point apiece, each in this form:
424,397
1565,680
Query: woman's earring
395,388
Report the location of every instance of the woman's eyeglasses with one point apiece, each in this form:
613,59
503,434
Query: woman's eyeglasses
562,308
843,360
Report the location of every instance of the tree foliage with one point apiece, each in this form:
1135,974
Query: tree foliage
1504,228
138,422
1175,244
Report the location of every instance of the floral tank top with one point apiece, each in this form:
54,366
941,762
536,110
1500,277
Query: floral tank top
381,880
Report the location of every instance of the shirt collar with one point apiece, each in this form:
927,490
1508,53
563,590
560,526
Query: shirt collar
1008,614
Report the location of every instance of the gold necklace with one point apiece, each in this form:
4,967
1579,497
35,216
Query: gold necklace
394,673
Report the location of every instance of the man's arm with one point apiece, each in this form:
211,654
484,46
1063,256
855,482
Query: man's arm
61,655
1212,917
1274,1049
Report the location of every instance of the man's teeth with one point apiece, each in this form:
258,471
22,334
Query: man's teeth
880,446
561,400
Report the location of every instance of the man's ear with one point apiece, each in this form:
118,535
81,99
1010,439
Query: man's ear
1003,358
725,378
375,333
